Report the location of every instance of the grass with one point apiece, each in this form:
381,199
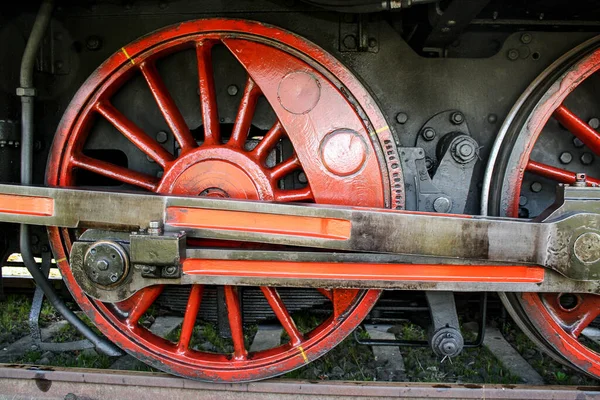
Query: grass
14,315
473,365
553,372
348,361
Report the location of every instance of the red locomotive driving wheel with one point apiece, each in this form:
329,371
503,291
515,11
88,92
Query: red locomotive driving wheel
549,115
326,128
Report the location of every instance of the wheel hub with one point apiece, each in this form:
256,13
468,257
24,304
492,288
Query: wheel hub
217,172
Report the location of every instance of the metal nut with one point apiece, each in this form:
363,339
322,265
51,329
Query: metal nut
457,118
428,134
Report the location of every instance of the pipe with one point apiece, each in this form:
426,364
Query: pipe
27,94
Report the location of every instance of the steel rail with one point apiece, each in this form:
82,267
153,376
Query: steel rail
21,381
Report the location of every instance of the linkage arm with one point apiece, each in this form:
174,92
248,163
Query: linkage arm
565,241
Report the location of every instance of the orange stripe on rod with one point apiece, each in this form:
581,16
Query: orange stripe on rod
364,271
26,205
242,221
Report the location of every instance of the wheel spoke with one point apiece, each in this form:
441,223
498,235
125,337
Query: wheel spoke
268,143
208,96
326,292
557,174
115,172
245,114
585,320
234,314
294,195
282,314
573,316
283,169
132,132
577,127
189,318
167,107
141,302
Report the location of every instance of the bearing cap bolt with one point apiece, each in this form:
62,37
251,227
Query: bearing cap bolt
457,118
428,134
102,265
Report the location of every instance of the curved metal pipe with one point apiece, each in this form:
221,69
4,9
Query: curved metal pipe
27,93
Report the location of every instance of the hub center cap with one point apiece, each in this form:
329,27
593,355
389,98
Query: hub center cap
217,172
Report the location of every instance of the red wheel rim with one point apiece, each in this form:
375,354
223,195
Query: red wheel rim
557,325
321,108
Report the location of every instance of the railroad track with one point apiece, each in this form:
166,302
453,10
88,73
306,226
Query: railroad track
29,382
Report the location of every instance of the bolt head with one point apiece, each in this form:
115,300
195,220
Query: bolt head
114,278
93,43
442,204
536,187
466,149
162,137
232,90
594,123
429,163
587,158
401,118
526,38
302,178
102,265
577,142
565,157
428,134
170,270
457,118
349,42
523,200
512,54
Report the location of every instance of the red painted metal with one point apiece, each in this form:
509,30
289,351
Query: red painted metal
282,314
144,142
309,108
189,319
557,174
364,272
291,225
167,106
583,131
559,327
30,205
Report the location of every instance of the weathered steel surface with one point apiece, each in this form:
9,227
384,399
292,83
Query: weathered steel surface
18,382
